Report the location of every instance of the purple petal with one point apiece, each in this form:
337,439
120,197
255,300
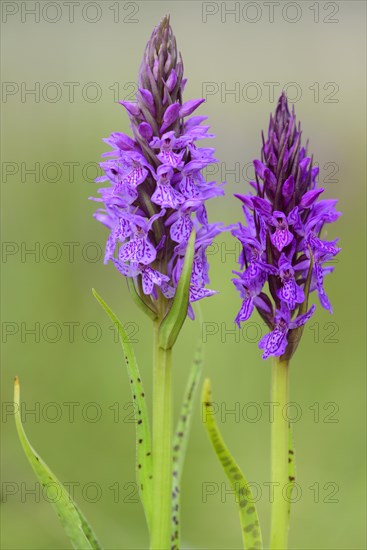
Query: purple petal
110,246
196,293
194,121
147,252
147,282
132,108
147,99
259,168
128,251
246,199
190,106
166,196
302,319
246,310
291,293
121,140
262,206
181,230
270,180
288,188
281,238
169,117
324,300
274,343
124,269
138,250
310,197
146,131
171,80
263,302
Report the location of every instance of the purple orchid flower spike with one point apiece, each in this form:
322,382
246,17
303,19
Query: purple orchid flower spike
281,242
157,192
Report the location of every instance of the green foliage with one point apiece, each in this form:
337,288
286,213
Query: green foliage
181,439
77,528
144,462
250,526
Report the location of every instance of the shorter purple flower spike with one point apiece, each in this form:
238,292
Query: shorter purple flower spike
281,243
157,192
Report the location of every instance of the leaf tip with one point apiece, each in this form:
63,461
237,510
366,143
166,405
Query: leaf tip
207,392
16,390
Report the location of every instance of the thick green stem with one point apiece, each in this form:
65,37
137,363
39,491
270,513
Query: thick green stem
162,447
279,457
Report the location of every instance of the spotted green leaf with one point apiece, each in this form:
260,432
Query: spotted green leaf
175,318
180,441
144,466
76,526
250,526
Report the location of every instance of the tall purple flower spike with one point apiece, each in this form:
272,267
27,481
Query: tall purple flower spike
281,242
157,192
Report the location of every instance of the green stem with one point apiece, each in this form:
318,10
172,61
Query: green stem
162,447
279,457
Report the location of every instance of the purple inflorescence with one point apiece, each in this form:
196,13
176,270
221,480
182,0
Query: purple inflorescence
281,241
157,190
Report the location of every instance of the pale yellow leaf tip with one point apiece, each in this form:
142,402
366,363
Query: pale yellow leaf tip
207,392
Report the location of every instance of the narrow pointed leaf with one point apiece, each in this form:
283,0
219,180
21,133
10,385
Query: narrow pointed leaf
175,318
78,530
143,437
250,526
180,441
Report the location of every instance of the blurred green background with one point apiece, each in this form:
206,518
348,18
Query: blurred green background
322,52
